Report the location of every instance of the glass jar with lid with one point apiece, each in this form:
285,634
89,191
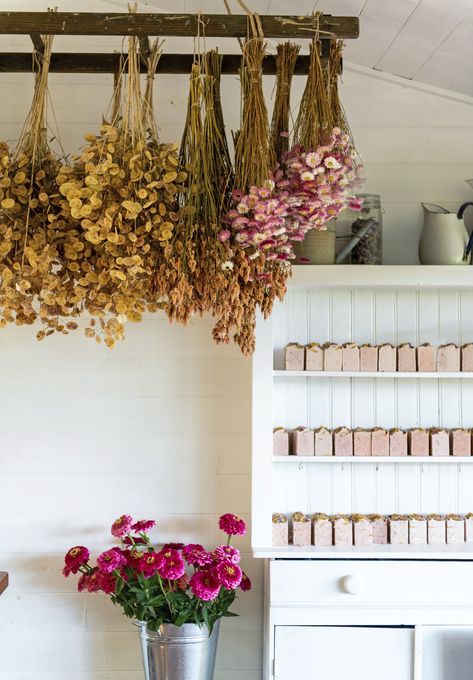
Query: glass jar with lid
369,250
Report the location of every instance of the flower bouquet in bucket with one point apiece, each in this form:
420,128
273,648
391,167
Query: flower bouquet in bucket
175,593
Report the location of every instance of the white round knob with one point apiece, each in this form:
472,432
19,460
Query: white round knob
351,584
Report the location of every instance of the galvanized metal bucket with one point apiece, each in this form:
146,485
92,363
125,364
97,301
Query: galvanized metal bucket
179,652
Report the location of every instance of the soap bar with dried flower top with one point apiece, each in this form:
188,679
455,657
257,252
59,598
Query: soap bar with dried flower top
417,530
362,442
398,530
368,358
448,358
342,530
332,357
439,442
280,530
323,442
397,442
379,442
301,529
387,360
467,357
460,442
426,358
303,442
343,441
469,527
294,357
406,358
350,357
379,528
314,357
419,442
280,442
362,530
455,529
436,530
322,530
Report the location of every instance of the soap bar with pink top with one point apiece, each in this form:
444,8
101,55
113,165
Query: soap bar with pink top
280,527
467,357
362,442
332,357
397,442
368,358
342,530
398,530
323,442
343,441
379,529
455,529
362,530
448,358
294,357
436,530
301,529
469,527
460,442
417,530
439,442
314,357
350,357
426,358
280,442
387,359
379,442
406,358
419,442
322,530
303,442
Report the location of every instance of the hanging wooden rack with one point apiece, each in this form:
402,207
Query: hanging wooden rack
36,24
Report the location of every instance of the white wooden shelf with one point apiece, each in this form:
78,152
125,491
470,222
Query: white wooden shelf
378,552
463,375
412,460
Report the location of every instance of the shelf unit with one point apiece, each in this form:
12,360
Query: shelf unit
372,552
377,375
369,460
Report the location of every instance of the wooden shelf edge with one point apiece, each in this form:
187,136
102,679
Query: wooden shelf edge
379,375
377,552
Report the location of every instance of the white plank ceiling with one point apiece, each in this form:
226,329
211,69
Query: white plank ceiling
430,41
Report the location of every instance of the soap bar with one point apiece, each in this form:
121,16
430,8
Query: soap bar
436,530
467,357
368,358
406,358
460,442
294,357
303,442
397,442
426,358
362,530
322,530
398,530
379,528
280,527
342,530
455,529
301,529
379,442
332,357
323,442
419,442
469,528
343,441
314,357
417,530
350,357
362,442
280,442
439,442
448,358
387,358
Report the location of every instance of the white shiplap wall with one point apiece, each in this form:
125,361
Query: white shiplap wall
161,425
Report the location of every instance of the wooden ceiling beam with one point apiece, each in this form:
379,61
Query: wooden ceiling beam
216,25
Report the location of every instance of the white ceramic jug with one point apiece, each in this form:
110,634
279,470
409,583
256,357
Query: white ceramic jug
444,237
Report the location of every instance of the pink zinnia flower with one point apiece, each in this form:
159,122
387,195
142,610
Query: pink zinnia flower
229,574
196,555
89,582
182,583
172,546
227,552
110,560
232,525
149,564
245,583
75,558
143,525
170,564
204,585
106,583
121,526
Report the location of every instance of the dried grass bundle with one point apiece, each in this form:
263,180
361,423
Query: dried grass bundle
286,58
334,70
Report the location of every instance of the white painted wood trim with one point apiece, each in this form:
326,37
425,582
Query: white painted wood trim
417,375
366,460
376,552
418,649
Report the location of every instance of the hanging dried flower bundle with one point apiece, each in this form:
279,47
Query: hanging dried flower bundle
286,58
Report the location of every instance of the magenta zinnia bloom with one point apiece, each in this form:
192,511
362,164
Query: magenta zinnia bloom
227,552
229,574
174,546
143,525
110,560
149,564
121,526
197,555
204,585
89,582
170,564
75,558
107,583
245,583
232,525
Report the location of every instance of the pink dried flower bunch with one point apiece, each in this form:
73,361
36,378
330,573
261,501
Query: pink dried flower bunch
185,583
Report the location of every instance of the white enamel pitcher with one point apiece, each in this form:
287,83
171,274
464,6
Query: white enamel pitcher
444,237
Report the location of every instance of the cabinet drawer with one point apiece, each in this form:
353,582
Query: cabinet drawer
396,583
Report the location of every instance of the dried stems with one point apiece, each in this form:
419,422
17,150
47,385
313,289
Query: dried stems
286,58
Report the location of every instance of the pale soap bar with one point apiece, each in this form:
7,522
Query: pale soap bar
469,528
280,442
379,528
467,357
418,531
342,531
397,442
332,357
350,357
343,441
387,361
455,530
280,534
368,358
314,357
294,357
406,358
419,442
301,531
398,531
303,442
322,532
436,531
379,442
439,442
448,358
362,442
426,358
323,442
362,532
460,441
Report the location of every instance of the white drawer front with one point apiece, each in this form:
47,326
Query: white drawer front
402,583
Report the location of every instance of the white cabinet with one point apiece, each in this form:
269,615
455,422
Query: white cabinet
337,653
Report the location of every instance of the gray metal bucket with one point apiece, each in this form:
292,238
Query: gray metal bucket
179,652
